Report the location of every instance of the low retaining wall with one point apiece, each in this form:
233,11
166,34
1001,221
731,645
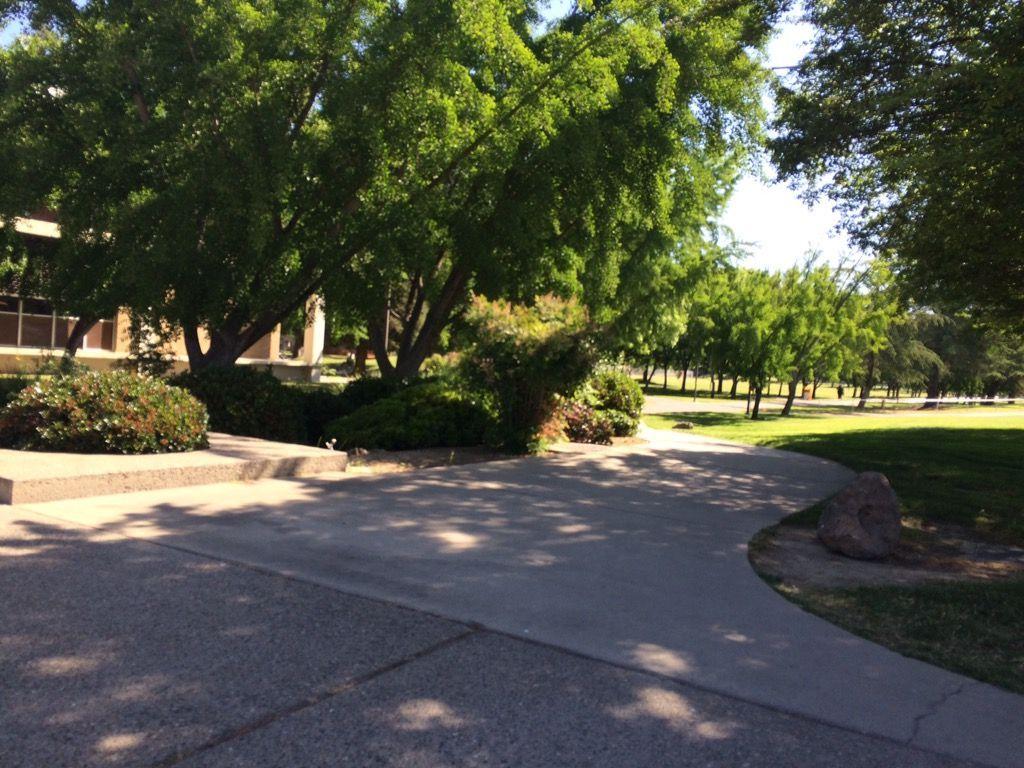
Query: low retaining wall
31,476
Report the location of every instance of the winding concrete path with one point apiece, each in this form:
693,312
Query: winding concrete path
634,556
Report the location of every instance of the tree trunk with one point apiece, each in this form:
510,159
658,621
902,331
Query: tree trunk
814,389
224,350
192,347
934,389
757,403
229,341
732,390
869,383
417,342
721,379
379,342
81,329
685,372
788,407
362,352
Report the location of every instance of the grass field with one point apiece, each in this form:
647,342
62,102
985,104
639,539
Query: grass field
964,467
974,629
704,386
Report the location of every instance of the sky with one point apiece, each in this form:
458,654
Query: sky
776,226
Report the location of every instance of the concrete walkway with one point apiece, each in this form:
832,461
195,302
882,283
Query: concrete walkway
635,557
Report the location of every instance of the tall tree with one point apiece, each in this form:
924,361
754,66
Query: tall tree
907,112
832,314
611,206
215,163
757,329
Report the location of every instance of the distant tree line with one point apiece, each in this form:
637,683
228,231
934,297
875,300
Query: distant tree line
816,324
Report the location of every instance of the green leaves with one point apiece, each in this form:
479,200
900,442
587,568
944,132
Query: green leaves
907,114
217,162
808,323
527,357
114,412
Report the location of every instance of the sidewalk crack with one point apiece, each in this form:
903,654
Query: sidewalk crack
329,693
933,709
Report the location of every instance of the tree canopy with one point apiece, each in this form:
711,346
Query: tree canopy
908,113
213,164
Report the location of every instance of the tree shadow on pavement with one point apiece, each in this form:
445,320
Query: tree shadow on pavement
120,653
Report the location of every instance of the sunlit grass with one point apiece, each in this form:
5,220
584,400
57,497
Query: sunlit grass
964,467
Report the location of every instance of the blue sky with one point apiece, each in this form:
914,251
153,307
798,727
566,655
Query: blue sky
778,228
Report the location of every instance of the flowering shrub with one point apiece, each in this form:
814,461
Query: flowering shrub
583,424
115,412
527,357
617,396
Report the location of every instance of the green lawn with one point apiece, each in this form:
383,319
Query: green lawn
964,467
974,629
704,385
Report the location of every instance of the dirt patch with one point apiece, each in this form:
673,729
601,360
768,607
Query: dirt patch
386,462
794,556
628,440
362,462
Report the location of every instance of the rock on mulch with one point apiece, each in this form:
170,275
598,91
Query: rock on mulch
932,554
863,520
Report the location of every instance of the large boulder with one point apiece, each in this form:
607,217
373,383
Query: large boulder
863,520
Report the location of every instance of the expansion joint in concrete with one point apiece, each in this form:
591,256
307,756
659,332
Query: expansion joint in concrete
314,700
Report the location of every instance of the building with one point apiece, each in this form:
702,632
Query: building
31,332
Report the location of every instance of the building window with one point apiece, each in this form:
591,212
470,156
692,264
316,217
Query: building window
32,322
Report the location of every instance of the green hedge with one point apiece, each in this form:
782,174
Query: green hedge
247,401
366,391
423,414
252,402
321,404
113,412
10,386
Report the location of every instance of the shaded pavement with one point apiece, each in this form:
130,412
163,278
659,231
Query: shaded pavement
598,610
